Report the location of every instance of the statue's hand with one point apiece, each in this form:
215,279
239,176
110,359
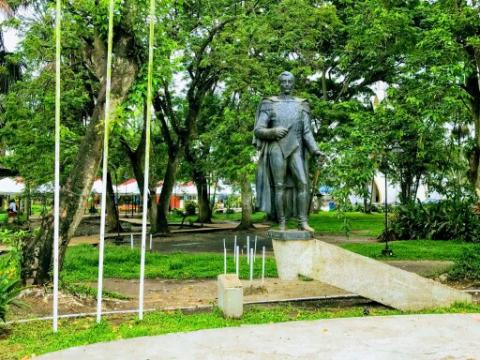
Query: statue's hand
321,158
280,132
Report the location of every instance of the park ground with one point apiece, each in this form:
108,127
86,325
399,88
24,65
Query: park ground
180,288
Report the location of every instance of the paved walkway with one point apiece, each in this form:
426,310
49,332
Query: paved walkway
446,337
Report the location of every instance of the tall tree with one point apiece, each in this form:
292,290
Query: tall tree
84,52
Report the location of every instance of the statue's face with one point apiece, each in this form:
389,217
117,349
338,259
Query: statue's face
286,84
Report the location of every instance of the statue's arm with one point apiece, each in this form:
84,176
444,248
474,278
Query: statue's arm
308,138
262,131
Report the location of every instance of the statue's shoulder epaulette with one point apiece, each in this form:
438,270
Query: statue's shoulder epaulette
270,99
301,100
304,104
266,103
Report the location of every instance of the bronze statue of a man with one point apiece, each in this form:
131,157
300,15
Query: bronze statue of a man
283,135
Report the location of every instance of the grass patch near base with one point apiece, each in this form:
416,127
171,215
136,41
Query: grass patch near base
413,250
25,340
81,264
361,224
236,216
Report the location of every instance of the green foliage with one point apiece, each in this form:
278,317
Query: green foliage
445,220
10,262
467,266
81,264
9,291
190,208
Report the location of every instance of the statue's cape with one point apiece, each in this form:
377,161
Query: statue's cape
264,200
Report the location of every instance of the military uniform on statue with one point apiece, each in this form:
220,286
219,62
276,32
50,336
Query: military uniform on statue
283,136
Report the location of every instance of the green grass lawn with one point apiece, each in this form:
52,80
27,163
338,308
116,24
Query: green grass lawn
256,217
324,222
123,263
361,224
413,249
81,264
37,338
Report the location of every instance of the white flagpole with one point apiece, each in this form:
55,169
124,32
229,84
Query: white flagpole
56,206
106,137
147,158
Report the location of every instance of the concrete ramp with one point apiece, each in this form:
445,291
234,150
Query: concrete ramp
358,274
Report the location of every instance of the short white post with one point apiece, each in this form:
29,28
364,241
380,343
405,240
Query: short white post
237,256
248,250
235,249
131,241
151,242
251,265
225,260
255,249
224,245
263,264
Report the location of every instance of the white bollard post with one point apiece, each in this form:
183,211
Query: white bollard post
235,250
237,261
263,265
131,241
225,261
248,250
224,245
251,265
151,242
255,249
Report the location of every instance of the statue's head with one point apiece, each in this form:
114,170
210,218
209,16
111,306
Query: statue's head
287,81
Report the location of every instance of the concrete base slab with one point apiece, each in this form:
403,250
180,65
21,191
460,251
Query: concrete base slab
230,295
289,235
425,337
363,276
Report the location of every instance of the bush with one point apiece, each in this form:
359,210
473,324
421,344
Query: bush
9,290
445,220
467,267
190,208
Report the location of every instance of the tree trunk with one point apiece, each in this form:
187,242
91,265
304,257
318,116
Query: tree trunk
475,158
204,209
137,161
167,189
113,219
37,253
246,195
28,201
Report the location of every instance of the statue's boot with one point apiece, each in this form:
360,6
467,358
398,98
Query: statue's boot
302,211
303,225
280,208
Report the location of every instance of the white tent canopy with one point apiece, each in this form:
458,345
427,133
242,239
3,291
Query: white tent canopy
97,187
11,186
129,187
179,189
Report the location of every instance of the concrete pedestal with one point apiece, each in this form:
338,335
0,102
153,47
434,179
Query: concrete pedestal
358,274
230,295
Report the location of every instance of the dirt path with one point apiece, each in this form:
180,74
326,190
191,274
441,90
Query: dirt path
169,294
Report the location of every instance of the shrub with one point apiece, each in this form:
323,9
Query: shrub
190,208
445,220
467,267
9,290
